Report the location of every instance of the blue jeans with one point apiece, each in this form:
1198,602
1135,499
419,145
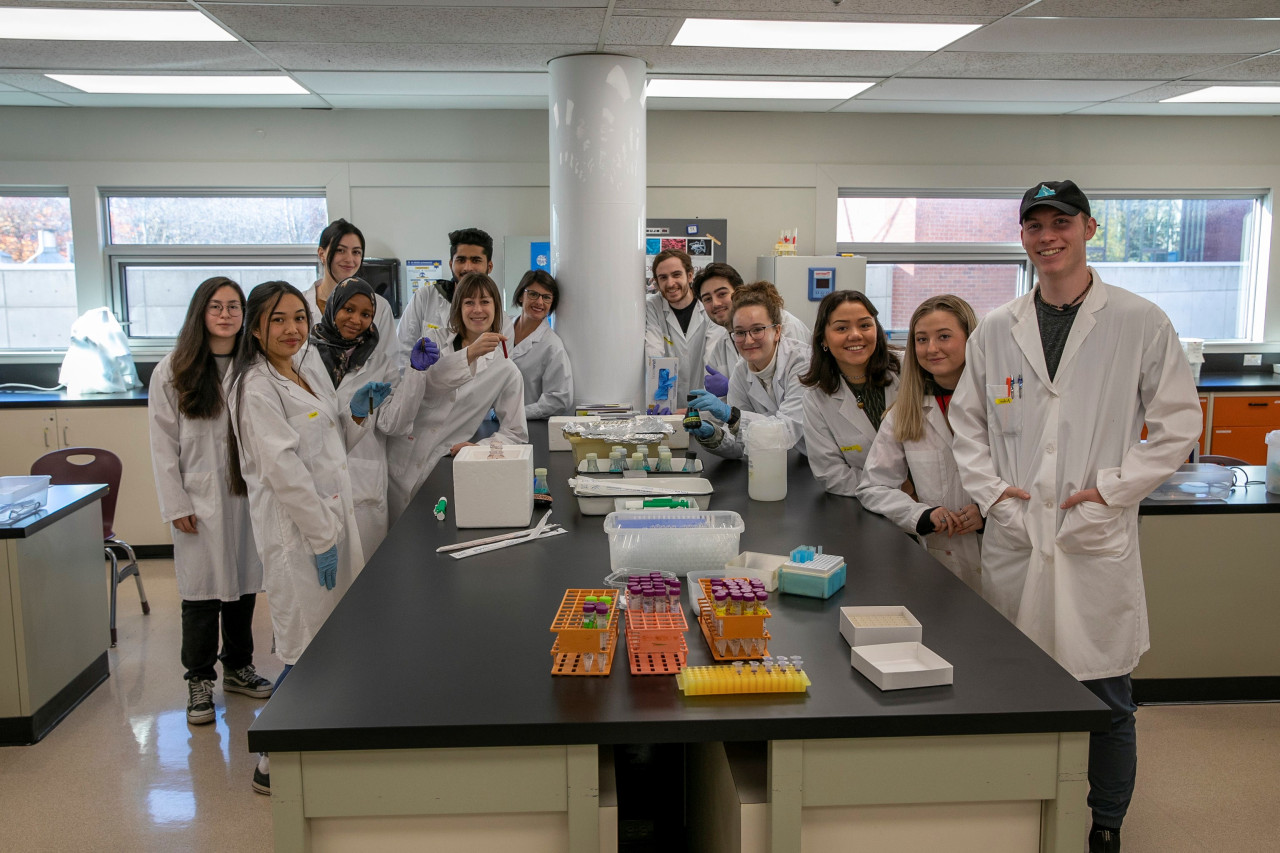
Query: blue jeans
280,677
1113,755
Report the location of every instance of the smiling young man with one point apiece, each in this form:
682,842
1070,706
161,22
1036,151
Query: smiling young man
675,324
1047,418
470,250
714,287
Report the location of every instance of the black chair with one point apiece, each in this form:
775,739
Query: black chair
99,466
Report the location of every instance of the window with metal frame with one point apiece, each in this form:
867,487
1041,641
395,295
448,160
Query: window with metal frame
37,273
1195,254
162,244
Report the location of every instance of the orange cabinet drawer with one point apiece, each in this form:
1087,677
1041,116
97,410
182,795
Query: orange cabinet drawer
1245,443
1247,411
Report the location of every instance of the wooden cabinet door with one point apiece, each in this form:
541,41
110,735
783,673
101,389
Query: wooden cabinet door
124,431
28,435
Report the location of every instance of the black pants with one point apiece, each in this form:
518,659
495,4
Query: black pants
200,635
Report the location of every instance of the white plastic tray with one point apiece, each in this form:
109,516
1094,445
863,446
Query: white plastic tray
24,489
648,487
871,625
677,467
896,666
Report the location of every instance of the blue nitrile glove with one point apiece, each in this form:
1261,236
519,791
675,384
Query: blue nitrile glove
369,397
492,416
327,568
716,382
424,354
704,401
702,432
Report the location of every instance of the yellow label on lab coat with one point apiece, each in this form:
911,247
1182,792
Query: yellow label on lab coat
670,342
856,448
313,415
1000,401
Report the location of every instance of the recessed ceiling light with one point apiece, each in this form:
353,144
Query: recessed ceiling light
156,84
1228,95
818,35
109,25
667,87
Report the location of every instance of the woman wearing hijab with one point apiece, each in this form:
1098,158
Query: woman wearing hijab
345,349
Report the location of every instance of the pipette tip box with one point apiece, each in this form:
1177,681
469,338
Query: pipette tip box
820,577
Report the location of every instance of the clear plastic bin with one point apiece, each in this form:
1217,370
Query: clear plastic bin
678,541
1200,481
30,491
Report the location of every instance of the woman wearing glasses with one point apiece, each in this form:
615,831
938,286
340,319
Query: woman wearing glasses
219,573
538,352
764,383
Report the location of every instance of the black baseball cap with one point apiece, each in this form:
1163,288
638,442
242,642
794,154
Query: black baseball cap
1064,195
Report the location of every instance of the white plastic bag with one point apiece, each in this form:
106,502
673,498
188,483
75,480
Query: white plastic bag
98,360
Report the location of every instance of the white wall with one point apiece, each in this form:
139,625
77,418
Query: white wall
408,177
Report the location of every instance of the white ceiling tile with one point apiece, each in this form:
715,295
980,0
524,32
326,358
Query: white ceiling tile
84,99
459,27
921,89
641,29
964,107
132,56
437,102
418,57
1152,9
794,63
1123,35
1067,66
426,83
26,99
1264,69
433,4
99,4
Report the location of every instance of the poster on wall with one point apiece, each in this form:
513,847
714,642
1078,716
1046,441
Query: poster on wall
422,273
704,242
540,256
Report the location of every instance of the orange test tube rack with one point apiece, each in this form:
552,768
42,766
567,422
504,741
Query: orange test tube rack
655,642
720,631
574,642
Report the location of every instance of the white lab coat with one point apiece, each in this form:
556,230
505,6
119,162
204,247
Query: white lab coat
783,399
428,310
367,461
383,319
457,400
548,378
723,355
1072,580
189,458
932,469
663,338
838,436
293,455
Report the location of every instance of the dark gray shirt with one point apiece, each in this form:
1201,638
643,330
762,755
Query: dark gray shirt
1055,326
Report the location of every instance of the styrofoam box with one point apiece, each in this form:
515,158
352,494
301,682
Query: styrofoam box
493,492
896,666
871,634
556,440
679,550
752,564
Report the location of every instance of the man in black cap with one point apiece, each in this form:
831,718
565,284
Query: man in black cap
1048,418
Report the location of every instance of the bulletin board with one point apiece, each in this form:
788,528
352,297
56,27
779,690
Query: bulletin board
703,239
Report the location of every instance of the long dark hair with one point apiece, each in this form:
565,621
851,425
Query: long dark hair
263,299
823,371
331,236
195,372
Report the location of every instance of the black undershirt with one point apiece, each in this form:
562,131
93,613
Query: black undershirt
685,314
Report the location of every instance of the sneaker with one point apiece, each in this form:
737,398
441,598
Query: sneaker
262,775
1103,839
247,681
199,701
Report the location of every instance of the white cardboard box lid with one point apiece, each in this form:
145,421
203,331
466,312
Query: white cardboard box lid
896,666
866,635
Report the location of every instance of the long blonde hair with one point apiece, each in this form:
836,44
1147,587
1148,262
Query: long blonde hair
917,383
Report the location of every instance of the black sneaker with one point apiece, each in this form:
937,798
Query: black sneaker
262,778
247,681
199,701
1103,839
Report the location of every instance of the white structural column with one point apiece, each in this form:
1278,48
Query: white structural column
597,128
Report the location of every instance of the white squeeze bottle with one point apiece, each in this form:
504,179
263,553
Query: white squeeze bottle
767,441
1273,462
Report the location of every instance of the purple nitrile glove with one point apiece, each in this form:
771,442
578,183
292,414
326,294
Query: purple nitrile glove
425,353
716,382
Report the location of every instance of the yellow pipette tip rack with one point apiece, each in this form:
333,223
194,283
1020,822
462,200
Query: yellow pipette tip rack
719,680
